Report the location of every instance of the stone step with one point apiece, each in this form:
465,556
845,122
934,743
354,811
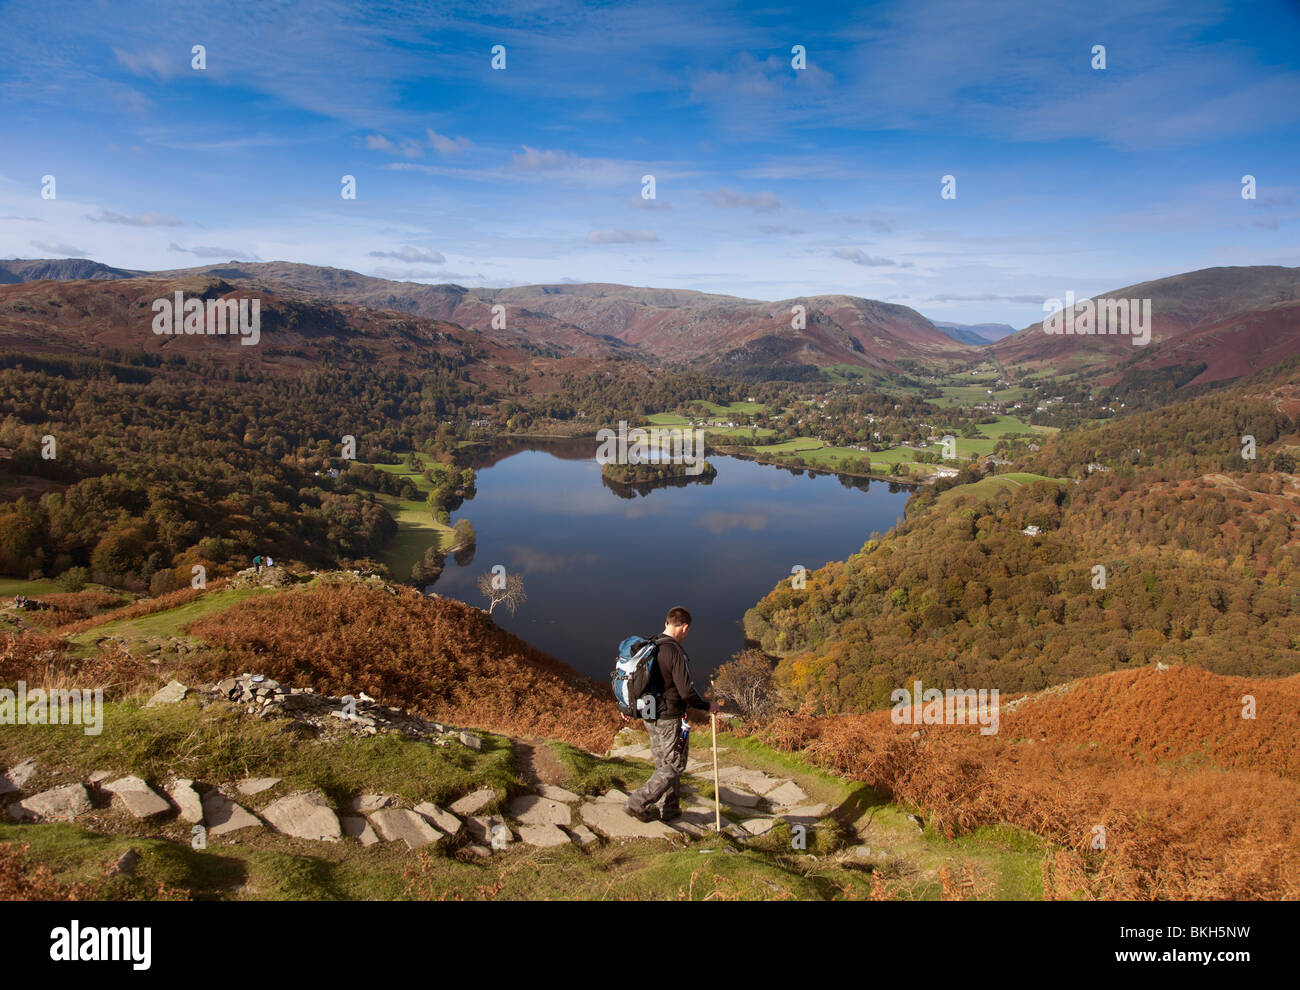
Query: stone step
223,816
304,815
489,830
612,821
59,804
400,823
256,785
356,827
557,794
440,818
138,797
535,810
474,802
186,798
544,836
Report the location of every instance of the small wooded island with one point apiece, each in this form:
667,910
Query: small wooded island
657,472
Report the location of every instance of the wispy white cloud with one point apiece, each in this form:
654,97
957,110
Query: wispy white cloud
860,257
730,199
59,248
411,255
621,236
146,219
448,145
223,253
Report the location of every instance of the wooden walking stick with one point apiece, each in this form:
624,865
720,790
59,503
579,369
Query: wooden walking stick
717,800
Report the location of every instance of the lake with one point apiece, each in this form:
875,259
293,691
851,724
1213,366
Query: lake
600,564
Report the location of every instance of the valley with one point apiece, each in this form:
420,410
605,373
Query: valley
1011,516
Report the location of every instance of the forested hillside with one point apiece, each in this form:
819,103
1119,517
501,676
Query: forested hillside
1174,549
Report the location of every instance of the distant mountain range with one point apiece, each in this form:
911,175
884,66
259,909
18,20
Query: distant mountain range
722,334
975,334
1207,326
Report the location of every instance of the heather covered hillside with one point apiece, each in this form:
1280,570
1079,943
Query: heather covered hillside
438,657
1150,784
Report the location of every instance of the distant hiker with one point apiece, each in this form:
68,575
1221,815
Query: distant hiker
257,562
269,562
669,730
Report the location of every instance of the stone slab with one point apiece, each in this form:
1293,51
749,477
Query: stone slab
139,798
186,798
583,835
59,804
489,830
364,804
544,836
356,827
256,785
474,802
170,693
535,810
557,793
304,815
787,795
403,824
441,818
223,816
613,821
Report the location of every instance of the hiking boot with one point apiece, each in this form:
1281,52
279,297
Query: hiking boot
670,814
645,815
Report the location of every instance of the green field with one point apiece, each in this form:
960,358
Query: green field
733,409
966,395
417,530
988,487
819,455
1011,424
17,586
667,419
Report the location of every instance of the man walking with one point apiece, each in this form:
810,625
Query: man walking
668,729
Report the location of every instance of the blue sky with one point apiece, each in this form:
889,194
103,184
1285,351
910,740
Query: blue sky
771,182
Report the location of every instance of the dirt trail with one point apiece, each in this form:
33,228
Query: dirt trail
536,763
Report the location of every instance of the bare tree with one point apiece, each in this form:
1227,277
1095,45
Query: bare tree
506,590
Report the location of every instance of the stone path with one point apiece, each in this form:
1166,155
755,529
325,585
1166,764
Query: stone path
480,821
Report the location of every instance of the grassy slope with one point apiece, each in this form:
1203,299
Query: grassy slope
987,487
219,744
167,624
416,527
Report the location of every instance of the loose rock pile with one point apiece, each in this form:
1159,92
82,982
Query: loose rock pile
266,698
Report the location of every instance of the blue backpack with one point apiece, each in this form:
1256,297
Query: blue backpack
638,687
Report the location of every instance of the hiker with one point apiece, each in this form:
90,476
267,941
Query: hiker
669,730
257,562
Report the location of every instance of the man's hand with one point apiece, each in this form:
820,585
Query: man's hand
715,707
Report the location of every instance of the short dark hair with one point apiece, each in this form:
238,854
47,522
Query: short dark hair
678,616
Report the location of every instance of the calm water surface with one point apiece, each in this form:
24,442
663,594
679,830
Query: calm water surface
599,564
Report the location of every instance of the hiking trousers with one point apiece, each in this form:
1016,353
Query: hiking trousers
664,788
